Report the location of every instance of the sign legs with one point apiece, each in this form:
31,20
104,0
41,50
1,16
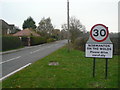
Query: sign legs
94,67
106,70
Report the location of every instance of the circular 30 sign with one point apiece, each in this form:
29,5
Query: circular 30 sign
99,32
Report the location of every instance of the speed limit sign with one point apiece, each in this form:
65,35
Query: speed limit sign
99,32
99,45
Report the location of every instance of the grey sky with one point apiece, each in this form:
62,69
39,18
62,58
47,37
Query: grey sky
89,12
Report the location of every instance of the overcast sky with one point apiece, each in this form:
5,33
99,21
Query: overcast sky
89,12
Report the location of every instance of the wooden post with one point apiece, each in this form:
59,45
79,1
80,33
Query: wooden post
68,25
28,41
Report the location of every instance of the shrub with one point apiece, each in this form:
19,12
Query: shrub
11,42
80,43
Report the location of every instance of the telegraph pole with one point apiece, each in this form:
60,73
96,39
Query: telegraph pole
68,25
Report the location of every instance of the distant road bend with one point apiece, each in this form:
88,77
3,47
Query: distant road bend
16,61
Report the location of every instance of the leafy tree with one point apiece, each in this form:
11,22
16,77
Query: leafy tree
29,23
45,26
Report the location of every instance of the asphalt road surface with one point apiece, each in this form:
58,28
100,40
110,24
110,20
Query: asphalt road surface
13,61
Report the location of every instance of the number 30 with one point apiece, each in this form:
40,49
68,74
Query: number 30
102,32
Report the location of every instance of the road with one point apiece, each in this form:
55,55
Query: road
13,61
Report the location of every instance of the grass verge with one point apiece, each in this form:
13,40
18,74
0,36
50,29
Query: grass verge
73,71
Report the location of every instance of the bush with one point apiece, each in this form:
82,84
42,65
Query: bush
50,40
79,43
11,42
37,40
116,43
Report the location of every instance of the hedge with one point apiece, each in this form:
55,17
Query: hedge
116,44
79,44
24,40
50,40
33,40
11,42
37,40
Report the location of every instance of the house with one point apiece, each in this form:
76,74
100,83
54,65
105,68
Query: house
6,29
26,32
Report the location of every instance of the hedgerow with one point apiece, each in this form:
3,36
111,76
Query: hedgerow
11,42
37,40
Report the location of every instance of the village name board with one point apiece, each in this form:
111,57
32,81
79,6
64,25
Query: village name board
99,50
99,44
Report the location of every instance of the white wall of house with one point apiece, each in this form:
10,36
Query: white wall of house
8,31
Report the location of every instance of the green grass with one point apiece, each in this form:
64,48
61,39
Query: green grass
74,71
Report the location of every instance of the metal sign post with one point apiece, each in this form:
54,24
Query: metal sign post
99,45
106,70
94,67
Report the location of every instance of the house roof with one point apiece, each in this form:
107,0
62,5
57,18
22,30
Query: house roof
4,24
26,32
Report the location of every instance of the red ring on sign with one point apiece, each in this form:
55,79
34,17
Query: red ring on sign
102,39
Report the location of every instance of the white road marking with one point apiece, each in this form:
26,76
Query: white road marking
14,72
43,48
10,60
35,51
39,49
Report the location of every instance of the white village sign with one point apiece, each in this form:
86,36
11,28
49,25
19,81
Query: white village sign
99,44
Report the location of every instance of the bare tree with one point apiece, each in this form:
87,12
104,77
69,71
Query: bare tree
63,34
76,28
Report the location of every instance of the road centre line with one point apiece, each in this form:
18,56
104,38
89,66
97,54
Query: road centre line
35,51
14,72
40,49
43,48
10,60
